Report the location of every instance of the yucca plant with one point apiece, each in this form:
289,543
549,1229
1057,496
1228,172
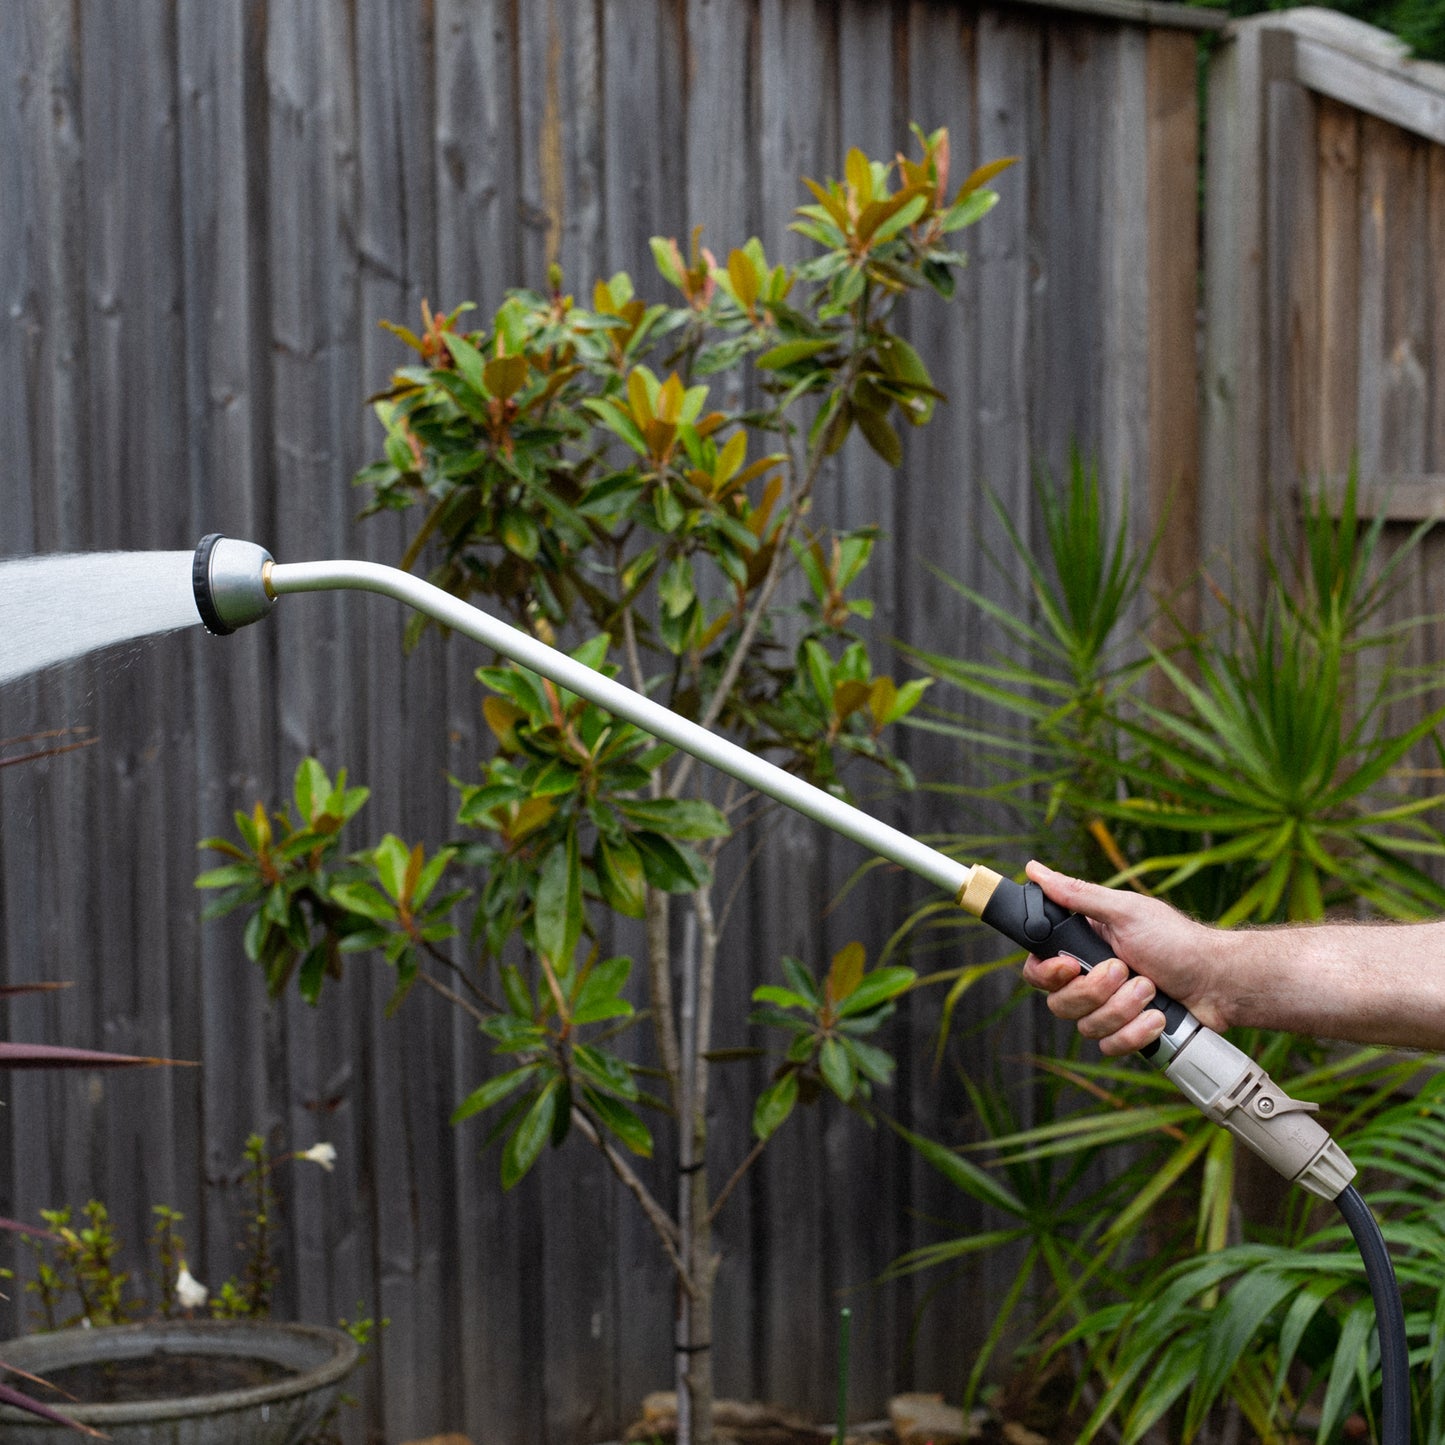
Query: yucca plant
1281,760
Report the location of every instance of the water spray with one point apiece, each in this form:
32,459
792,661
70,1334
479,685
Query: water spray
237,583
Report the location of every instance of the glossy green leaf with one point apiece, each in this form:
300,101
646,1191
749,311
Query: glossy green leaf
531,1134
492,1092
774,1105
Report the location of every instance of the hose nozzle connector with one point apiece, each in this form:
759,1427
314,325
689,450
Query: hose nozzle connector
229,578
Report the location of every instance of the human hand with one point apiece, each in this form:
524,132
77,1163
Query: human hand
1159,943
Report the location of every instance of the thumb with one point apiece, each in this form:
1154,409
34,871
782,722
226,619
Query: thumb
1106,905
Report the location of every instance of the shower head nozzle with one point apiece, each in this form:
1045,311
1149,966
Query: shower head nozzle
230,583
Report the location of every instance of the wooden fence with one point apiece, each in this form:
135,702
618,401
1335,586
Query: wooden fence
204,210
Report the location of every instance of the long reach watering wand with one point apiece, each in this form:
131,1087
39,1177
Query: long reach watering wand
237,583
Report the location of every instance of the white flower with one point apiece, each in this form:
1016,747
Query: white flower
190,1292
322,1154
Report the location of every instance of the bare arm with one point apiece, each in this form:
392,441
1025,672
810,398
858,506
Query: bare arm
1369,983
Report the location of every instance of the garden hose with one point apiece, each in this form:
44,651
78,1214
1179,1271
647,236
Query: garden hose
238,582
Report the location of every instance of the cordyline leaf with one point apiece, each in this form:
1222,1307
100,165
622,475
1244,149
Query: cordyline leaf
11,1396
56,1056
15,1226
9,990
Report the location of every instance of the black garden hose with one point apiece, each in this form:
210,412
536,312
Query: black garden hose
1389,1317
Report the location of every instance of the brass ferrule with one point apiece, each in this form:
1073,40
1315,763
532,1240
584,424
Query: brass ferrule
974,895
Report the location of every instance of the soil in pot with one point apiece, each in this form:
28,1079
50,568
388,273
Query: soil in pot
163,1376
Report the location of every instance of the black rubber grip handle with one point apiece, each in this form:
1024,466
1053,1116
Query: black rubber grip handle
1024,913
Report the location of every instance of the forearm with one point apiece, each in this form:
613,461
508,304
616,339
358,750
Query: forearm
1368,983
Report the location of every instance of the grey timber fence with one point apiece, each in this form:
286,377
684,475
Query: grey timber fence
205,208
1323,343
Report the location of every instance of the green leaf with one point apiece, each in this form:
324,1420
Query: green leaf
879,434
620,878
605,1070
600,995
774,1105
963,1175
391,858
493,1091
520,534
789,353
469,361
364,899
669,866
803,981
620,1120
686,818
558,919
536,1128
676,590
837,1069
430,876
873,1063
785,997
311,973
310,789
877,988
232,875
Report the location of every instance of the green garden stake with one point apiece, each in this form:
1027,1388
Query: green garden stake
845,1322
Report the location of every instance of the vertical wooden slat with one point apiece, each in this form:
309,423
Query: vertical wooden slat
1124,235
559,139
1173,278
642,56
871,114
322,1056
1293,305
1435,283
227,401
1235,501
938,517
797,80
479,227
1392,392
644,90
405,762
1339,281
479,250
1066,340
48,920
144,993
560,133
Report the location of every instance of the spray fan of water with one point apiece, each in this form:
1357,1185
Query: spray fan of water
58,608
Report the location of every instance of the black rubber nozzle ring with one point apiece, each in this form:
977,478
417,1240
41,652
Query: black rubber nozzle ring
201,586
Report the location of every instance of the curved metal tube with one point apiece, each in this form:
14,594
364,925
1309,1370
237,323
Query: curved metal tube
887,842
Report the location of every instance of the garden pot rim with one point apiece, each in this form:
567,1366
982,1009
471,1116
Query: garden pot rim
57,1349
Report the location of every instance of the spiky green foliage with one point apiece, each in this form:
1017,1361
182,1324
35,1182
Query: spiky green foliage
1260,771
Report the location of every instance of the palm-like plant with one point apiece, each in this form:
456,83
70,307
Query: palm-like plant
1271,1324
1257,772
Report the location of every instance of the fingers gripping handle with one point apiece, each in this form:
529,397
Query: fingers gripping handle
1034,921
1217,1078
